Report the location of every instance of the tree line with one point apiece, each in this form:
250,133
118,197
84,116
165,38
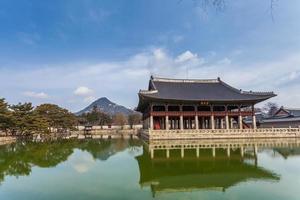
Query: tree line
98,118
23,119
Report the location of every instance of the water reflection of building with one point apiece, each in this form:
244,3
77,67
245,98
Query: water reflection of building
169,166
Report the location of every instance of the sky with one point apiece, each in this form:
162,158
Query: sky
72,52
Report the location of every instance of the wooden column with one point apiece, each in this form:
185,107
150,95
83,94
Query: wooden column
167,118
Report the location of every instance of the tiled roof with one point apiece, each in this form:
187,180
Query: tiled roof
199,90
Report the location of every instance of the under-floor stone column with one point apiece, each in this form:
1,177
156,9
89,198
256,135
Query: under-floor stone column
212,121
227,122
196,122
151,122
240,122
167,122
254,121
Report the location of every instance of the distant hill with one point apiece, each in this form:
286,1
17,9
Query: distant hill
106,106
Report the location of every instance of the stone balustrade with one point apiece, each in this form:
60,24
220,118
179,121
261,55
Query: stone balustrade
221,133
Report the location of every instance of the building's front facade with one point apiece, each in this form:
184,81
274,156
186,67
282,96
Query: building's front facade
180,104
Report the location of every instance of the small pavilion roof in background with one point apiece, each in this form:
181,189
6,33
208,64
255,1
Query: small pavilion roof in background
287,112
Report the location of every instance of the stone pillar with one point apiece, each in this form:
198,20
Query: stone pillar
214,152
253,118
167,117
167,122
212,121
182,152
203,123
212,118
254,121
240,122
231,122
227,121
196,122
240,119
151,122
181,122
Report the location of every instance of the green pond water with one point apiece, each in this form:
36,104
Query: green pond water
125,169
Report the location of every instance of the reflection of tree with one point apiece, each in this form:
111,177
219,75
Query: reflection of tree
18,159
103,149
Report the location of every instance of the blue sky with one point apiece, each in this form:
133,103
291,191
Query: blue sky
72,52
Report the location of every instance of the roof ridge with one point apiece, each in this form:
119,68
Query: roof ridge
148,91
257,92
244,92
287,108
177,80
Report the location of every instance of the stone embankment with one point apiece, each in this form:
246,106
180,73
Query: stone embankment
105,134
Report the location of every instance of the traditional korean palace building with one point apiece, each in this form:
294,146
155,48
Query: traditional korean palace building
197,104
190,109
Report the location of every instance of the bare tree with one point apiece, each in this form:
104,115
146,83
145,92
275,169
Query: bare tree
134,119
270,108
120,120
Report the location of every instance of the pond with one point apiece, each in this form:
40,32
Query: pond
134,169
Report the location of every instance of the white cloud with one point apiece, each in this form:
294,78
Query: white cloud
39,95
186,56
121,80
82,163
83,91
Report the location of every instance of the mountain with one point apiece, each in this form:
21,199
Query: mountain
106,106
